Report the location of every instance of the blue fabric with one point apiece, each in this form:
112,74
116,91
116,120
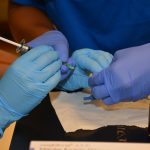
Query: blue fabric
100,24
33,3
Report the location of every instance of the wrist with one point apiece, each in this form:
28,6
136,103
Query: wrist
7,115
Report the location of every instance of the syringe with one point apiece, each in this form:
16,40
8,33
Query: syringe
23,48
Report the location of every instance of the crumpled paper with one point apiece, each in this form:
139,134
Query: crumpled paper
74,113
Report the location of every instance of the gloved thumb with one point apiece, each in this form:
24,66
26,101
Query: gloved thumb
65,71
63,51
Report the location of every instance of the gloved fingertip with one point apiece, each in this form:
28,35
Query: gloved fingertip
64,75
91,80
64,69
30,44
71,62
108,101
63,58
89,98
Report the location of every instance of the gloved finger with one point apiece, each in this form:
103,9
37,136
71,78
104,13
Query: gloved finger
100,59
45,59
38,41
63,51
36,52
64,68
108,101
100,92
65,75
96,79
53,81
107,55
65,71
91,98
84,83
49,71
87,63
69,62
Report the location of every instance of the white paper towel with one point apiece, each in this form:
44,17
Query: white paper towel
75,114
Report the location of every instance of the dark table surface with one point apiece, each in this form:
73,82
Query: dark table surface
43,124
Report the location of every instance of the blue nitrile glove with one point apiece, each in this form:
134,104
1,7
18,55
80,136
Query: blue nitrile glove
1,132
58,41
126,79
27,82
85,61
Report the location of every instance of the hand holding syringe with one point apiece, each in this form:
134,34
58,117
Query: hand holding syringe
23,48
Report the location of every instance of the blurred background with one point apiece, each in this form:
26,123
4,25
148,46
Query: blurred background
7,56
7,52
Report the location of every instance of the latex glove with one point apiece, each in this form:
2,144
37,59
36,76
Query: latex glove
126,79
27,82
59,42
86,61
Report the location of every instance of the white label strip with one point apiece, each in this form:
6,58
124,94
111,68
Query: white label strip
58,145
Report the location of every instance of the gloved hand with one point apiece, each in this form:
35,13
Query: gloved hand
127,77
58,41
85,61
27,82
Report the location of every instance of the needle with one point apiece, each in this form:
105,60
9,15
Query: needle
22,48
19,46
